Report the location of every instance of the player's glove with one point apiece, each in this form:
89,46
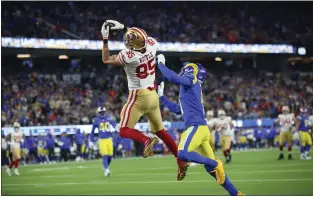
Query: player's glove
115,25
161,59
161,89
105,30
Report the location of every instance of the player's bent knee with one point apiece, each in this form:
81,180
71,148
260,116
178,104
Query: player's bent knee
123,132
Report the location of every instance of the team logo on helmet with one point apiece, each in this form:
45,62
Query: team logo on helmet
131,36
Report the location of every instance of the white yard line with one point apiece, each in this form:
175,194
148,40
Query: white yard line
170,174
147,182
141,158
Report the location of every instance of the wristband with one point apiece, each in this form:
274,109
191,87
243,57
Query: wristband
105,41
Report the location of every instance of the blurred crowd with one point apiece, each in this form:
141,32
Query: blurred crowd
47,148
35,99
226,22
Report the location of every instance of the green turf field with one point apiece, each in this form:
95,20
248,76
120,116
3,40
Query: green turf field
254,173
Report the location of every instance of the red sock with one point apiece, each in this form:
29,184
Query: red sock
133,134
281,147
16,163
289,148
168,140
11,164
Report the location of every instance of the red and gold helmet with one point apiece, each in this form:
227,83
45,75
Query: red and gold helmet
135,38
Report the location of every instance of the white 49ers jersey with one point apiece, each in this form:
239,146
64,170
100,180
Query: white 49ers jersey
286,121
224,126
140,67
16,138
211,123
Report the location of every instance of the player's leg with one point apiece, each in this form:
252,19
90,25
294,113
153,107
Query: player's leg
106,154
225,182
46,152
308,146
281,145
227,148
289,141
109,154
223,145
16,157
5,162
302,145
40,155
191,139
12,156
153,114
130,115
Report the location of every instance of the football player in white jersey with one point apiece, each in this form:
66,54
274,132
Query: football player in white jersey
15,143
138,61
211,124
285,120
224,126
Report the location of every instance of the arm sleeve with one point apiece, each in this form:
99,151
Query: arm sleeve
174,107
175,78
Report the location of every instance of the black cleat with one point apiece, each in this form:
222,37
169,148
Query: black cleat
289,157
281,156
228,159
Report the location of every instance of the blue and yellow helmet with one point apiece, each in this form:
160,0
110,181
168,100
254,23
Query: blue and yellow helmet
101,110
303,111
194,69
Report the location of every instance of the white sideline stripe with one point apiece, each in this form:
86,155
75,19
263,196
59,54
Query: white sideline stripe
141,158
173,174
232,172
166,167
148,182
50,169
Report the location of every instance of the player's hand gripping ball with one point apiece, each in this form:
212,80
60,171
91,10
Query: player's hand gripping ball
111,27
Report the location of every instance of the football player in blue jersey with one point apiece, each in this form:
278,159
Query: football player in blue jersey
194,144
105,125
303,127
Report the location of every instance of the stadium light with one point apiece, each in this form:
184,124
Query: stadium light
301,51
63,57
21,56
218,59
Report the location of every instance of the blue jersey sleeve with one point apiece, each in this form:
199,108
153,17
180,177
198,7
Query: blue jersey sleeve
174,107
175,78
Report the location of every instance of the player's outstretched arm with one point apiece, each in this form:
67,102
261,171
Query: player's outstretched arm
105,31
173,107
171,75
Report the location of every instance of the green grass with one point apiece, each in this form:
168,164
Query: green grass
254,173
